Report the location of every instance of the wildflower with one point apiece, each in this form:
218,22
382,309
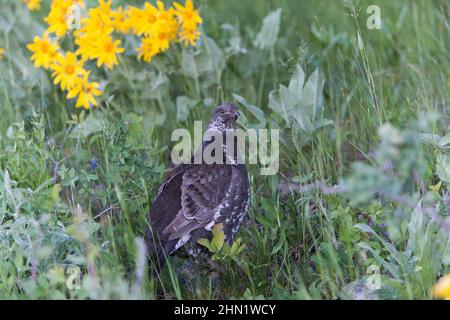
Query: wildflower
66,70
189,20
57,18
61,16
442,288
2,52
147,50
188,16
105,7
120,21
95,30
162,39
33,4
93,164
85,90
97,23
167,18
106,52
135,16
44,51
189,36
147,19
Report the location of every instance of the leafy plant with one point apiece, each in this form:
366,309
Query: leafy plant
218,247
301,102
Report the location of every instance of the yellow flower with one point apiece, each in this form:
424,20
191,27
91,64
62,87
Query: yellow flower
120,21
189,16
62,15
57,18
98,19
106,52
105,7
442,288
189,36
44,51
66,70
167,17
94,29
189,19
161,38
134,18
85,47
147,50
85,90
146,19
2,52
33,4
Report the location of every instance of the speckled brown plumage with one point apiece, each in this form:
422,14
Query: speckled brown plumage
194,197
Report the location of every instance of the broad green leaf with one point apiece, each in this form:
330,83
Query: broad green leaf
218,237
204,242
392,250
188,64
393,269
256,111
207,61
297,82
184,106
429,138
312,100
285,100
444,142
268,34
211,58
443,167
92,124
282,102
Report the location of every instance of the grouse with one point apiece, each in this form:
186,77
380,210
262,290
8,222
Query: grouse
196,196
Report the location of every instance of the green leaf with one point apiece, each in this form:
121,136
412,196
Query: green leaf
236,247
297,82
280,242
312,101
218,237
301,102
443,167
444,142
184,107
91,124
189,65
431,139
55,192
256,111
207,60
280,105
205,242
393,269
211,58
392,250
268,34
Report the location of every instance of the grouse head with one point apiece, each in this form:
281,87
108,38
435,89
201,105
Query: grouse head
224,117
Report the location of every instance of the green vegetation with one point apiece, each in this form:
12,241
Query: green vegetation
363,185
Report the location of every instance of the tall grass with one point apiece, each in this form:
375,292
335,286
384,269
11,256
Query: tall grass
76,187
